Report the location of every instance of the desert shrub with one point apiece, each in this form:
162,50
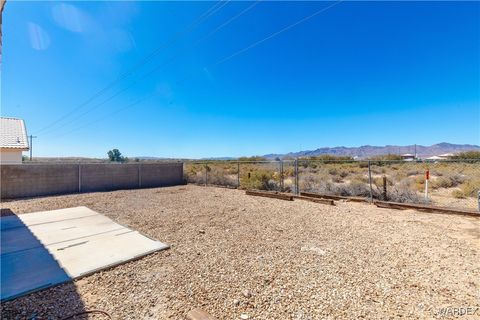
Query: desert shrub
470,188
360,178
389,157
458,194
194,173
221,176
419,183
333,171
259,179
403,193
355,188
412,172
343,174
378,181
254,158
467,155
363,164
337,179
328,157
448,181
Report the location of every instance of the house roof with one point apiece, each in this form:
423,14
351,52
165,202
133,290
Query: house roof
13,134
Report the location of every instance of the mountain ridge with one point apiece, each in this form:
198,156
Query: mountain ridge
370,151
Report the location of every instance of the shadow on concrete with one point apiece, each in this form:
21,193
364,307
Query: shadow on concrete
27,267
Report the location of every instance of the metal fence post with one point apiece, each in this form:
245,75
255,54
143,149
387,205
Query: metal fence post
384,188
370,181
297,187
79,178
281,175
478,201
206,174
238,175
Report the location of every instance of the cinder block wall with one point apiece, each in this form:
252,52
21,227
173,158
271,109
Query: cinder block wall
31,180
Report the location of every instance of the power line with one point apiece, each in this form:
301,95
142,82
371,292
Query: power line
149,73
258,42
275,34
316,13
112,113
212,10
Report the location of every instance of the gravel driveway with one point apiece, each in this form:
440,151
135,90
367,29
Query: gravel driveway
244,257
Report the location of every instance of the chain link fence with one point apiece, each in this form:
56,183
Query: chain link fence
445,183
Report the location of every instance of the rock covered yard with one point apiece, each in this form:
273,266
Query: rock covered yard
244,257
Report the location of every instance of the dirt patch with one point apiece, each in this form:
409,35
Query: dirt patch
296,259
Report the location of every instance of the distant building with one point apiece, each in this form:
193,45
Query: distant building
444,156
408,157
433,158
13,140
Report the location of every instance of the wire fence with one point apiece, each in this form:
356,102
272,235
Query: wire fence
445,183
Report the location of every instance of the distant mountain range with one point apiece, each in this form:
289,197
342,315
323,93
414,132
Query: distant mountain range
370,151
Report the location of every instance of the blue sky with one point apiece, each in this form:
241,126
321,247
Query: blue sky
358,73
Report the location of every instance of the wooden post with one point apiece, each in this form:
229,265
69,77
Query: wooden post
384,195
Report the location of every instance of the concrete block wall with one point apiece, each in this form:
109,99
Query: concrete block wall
18,180
161,175
31,180
108,177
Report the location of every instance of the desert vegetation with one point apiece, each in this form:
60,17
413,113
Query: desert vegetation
451,183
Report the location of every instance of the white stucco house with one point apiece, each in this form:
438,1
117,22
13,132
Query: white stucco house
13,140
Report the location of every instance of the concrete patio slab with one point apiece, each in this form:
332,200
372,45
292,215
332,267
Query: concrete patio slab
43,249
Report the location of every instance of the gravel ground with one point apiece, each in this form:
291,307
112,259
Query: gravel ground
244,257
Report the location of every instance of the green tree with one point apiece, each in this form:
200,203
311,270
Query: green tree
115,155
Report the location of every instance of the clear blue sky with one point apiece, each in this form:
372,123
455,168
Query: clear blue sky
358,73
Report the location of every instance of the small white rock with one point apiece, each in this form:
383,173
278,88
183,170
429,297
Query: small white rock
244,316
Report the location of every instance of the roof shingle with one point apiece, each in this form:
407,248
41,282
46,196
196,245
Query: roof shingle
13,133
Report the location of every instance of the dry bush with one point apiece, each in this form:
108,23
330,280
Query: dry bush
470,188
194,173
458,194
222,176
448,181
403,193
337,179
355,188
260,179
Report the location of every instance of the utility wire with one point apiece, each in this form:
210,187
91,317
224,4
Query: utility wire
112,113
274,34
316,13
236,53
212,10
146,75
